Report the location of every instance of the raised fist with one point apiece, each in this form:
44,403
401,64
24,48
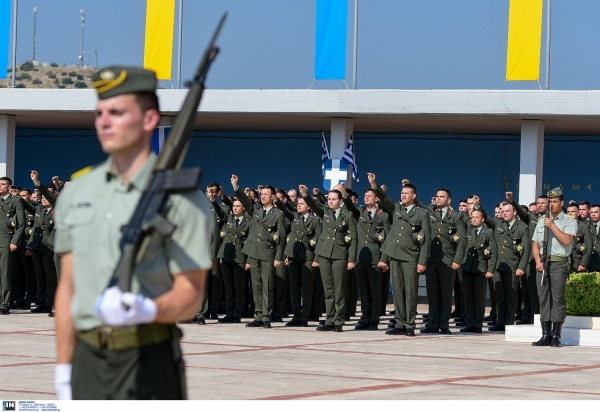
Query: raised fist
234,181
35,177
384,188
405,182
509,197
303,190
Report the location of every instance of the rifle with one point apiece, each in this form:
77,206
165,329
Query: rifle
546,245
167,177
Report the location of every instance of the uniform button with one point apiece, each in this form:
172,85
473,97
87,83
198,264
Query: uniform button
366,241
439,235
397,241
402,227
258,240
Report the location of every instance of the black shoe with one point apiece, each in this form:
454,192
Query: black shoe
461,323
321,322
304,324
455,314
214,316
556,332
347,317
393,321
4,312
18,305
226,319
277,319
266,324
524,322
362,326
496,328
338,328
325,328
201,322
27,306
51,314
429,330
489,318
47,310
397,331
445,331
410,332
382,313
470,329
237,320
391,312
492,323
38,309
459,319
519,316
426,316
313,318
255,324
184,322
373,326
546,339
294,322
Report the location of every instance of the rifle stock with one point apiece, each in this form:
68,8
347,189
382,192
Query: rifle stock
149,215
546,245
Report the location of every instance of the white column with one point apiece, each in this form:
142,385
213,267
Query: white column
532,161
341,130
7,145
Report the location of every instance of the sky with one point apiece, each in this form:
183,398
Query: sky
269,44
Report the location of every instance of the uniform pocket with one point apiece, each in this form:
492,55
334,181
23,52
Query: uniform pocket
79,222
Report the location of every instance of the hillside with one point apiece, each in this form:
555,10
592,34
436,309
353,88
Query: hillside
50,77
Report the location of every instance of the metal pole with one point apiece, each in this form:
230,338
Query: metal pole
179,44
82,26
355,43
14,56
548,31
96,51
34,24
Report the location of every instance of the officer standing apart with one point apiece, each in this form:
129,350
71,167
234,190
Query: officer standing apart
106,351
552,275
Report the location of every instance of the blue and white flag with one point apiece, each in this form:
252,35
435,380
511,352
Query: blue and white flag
324,155
158,138
335,171
350,158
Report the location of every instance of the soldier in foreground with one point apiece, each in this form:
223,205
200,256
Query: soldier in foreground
105,351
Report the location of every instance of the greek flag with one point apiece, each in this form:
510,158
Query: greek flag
324,155
350,158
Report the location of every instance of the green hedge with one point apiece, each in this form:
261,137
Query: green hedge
583,294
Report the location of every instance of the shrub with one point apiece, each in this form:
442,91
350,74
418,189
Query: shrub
79,77
20,86
23,76
56,81
61,86
51,75
73,73
27,66
80,85
53,64
37,81
583,294
67,80
63,74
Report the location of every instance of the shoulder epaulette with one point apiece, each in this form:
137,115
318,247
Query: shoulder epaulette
82,172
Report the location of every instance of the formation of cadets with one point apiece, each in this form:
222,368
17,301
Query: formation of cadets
29,267
278,254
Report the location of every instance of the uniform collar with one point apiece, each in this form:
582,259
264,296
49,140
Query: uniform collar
139,179
6,197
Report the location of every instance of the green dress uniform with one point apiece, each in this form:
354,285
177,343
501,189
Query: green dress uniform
25,288
481,257
334,254
407,246
299,250
233,260
215,277
448,243
582,245
281,284
595,258
214,240
263,247
514,252
41,243
142,361
10,206
531,301
373,227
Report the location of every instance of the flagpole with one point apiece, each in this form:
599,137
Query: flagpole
14,56
179,44
548,32
355,43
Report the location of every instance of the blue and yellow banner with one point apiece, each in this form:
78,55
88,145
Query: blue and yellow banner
330,45
524,40
158,49
4,36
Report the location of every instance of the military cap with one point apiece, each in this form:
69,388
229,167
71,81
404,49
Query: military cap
116,80
556,192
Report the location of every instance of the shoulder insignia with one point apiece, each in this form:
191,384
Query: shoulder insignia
572,217
81,172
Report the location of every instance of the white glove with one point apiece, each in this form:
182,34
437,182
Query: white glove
62,381
116,308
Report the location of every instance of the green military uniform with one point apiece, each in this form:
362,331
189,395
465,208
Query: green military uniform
373,227
514,252
214,239
281,285
594,265
480,258
300,253
263,250
233,260
439,275
582,246
406,246
9,206
41,243
531,302
334,254
25,288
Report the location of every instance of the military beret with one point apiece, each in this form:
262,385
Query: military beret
116,80
556,192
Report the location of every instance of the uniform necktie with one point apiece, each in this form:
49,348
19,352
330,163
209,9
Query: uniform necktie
237,221
264,212
441,216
